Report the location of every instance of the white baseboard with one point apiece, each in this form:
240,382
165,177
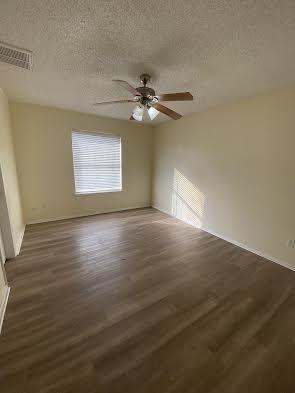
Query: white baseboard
20,241
3,304
84,214
241,245
250,249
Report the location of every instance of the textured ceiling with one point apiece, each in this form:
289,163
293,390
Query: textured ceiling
218,50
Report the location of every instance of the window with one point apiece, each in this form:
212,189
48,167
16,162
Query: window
97,162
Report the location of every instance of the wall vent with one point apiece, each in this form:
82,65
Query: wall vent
15,56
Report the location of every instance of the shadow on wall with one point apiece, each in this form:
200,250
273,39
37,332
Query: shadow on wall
188,201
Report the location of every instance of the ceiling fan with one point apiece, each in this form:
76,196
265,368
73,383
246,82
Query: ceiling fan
147,100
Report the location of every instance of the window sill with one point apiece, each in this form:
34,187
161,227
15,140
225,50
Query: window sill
96,192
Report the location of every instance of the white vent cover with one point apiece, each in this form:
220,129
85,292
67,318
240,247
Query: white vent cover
15,56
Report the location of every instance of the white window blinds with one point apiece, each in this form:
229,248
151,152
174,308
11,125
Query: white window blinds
97,162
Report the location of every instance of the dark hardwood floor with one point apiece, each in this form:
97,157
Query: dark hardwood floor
140,302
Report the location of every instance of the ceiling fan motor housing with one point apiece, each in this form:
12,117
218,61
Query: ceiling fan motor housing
146,91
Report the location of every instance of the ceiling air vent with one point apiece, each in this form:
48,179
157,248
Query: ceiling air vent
15,56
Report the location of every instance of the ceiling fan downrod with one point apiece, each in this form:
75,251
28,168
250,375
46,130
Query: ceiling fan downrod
145,78
145,92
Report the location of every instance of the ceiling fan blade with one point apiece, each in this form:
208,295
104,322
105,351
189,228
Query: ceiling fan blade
113,102
167,111
127,86
184,96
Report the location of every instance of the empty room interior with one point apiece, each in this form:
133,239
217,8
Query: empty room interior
147,234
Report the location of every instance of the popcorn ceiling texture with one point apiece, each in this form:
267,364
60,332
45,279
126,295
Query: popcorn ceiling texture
219,50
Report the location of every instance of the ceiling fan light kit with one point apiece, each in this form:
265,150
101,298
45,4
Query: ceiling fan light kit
137,113
148,101
153,113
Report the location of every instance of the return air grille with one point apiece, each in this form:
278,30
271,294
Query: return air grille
17,57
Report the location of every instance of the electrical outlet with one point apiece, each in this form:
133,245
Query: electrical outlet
291,243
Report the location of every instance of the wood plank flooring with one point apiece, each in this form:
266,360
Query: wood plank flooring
138,301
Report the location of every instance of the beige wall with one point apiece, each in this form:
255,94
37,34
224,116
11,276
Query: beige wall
230,170
42,138
14,227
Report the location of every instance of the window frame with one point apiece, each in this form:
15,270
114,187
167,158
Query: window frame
83,193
